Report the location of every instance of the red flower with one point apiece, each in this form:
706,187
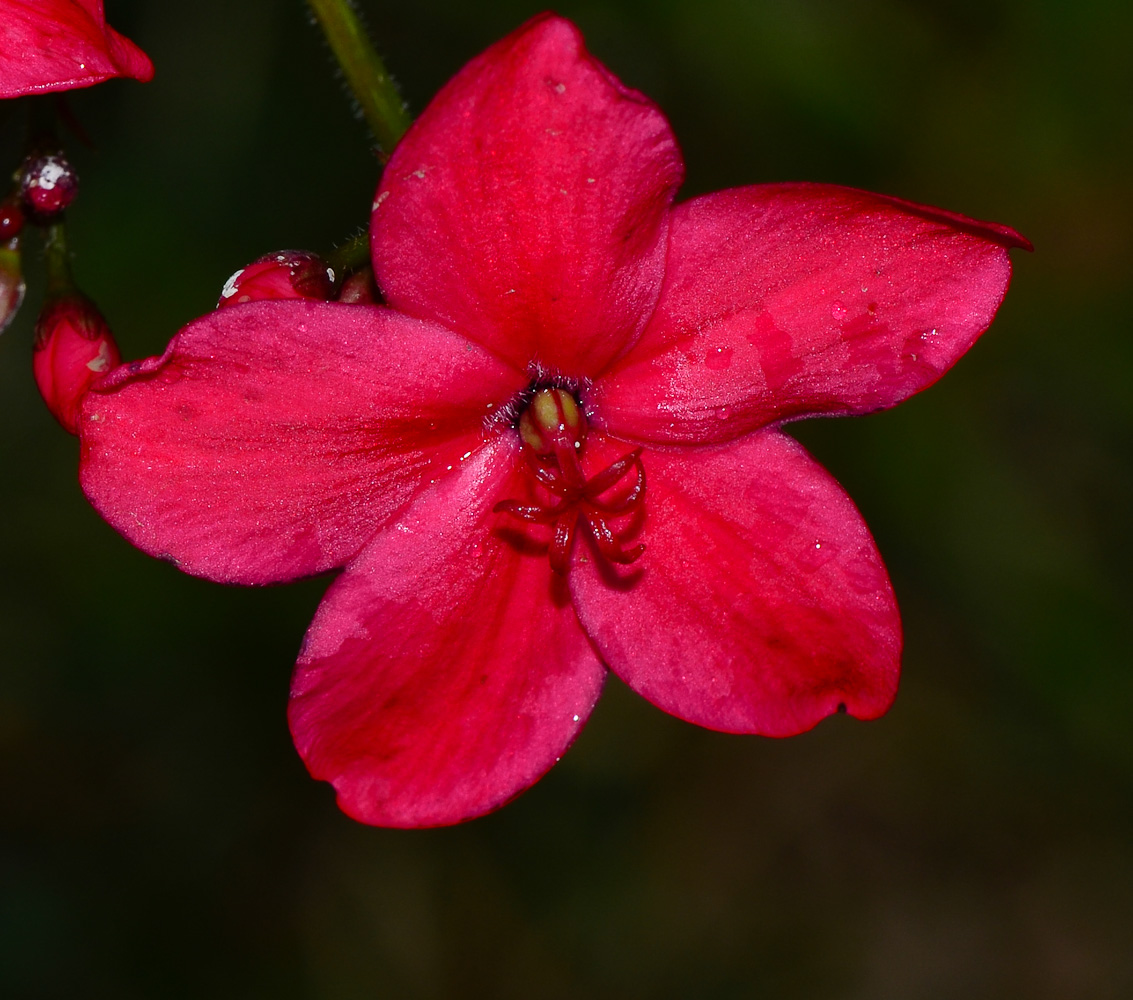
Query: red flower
568,366
62,44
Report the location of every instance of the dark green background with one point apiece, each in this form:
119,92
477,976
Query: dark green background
160,835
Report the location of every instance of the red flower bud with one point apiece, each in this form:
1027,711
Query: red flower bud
73,349
286,274
48,184
11,218
11,281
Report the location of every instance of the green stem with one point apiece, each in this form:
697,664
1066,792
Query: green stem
60,280
371,85
351,255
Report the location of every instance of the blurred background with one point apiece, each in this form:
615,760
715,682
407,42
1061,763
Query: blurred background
160,837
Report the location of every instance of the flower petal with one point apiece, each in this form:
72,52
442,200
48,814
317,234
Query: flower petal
272,439
50,45
760,604
793,299
445,671
527,206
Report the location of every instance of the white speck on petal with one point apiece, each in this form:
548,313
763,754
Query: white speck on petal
49,174
230,285
101,361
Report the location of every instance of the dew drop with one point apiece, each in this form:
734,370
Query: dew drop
724,412
838,311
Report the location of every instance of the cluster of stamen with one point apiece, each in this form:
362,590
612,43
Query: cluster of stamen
553,430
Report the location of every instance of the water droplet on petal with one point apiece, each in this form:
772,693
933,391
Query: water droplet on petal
838,311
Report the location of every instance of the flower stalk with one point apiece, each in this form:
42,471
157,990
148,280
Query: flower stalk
351,255
365,73
57,263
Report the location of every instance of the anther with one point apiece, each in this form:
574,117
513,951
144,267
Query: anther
553,429
551,422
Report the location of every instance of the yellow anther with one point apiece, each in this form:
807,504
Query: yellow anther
552,421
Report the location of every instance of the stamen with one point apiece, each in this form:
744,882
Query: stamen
553,429
561,543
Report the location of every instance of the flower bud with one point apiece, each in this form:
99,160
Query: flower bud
286,274
11,281
11,219
48,184
359,288
73,349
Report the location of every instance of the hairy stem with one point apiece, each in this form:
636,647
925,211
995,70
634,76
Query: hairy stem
365,73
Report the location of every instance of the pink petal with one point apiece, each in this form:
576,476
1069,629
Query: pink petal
273,439
50,45
527,206
760,605
794,299
445,671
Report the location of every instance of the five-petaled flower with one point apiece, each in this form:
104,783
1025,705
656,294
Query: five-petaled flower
567,366
48,45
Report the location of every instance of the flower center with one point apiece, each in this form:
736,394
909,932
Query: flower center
553,430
